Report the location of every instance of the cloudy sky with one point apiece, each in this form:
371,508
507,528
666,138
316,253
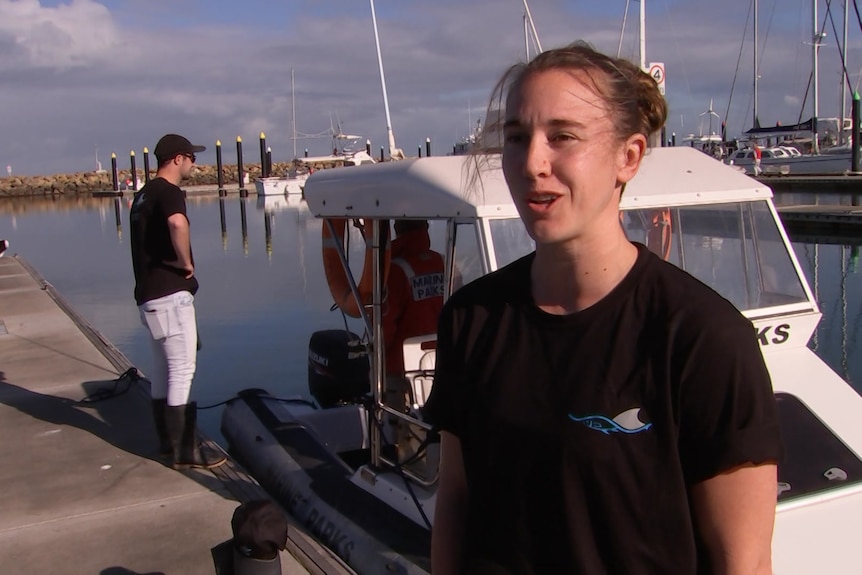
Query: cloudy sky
78,76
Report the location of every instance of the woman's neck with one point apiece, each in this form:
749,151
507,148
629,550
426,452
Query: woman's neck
568,278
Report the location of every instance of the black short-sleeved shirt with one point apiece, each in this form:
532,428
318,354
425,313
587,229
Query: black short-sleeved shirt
151,241
581,434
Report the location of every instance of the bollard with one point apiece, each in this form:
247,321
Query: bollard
146,165
263,173
114,174
663,136
219,173
673,139
134,171
381,153
420,151
269,161
454,150
306,152
428,147
243,193
368,147
854,143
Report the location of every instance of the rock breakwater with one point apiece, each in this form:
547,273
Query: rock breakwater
89,182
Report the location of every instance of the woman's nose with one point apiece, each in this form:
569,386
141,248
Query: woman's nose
536,159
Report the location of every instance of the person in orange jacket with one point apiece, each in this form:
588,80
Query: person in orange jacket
414,293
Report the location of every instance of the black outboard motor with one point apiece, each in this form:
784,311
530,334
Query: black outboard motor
338,367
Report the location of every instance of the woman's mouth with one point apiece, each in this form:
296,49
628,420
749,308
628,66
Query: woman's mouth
541,200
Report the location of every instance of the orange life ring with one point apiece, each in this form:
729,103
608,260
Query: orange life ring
660,234
336,275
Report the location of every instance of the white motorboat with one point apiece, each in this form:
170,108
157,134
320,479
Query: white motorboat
361,475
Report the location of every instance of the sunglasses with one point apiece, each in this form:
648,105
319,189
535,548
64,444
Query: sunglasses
190,156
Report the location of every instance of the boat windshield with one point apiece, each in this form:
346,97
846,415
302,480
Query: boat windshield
510,240
734,248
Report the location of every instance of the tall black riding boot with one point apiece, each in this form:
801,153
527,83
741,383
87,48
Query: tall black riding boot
165,447
188,452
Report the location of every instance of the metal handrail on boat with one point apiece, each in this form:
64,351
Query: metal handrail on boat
421,479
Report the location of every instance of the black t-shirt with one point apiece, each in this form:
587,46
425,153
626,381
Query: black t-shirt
151,241
582,433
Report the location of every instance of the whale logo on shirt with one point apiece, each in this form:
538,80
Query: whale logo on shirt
626,422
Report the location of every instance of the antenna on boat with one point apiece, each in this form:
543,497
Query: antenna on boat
394,153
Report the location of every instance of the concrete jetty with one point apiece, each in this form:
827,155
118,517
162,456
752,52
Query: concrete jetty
83,491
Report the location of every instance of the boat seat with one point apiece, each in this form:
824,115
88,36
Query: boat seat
420,357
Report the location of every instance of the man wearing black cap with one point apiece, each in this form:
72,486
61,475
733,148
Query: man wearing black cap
165,285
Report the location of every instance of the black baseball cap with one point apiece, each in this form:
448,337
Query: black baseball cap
172,145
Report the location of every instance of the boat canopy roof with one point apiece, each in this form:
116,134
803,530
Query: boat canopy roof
439,187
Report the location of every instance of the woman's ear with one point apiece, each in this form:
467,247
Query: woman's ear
631,153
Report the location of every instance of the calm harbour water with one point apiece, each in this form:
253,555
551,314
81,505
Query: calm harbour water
263,291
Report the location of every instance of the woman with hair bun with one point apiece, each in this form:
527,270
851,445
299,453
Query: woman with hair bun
601,411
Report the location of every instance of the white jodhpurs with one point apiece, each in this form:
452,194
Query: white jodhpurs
171,321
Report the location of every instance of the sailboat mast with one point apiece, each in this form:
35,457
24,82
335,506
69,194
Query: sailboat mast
526,39
643,34
756,74
843,107
623,29
293,114
533,27
815,78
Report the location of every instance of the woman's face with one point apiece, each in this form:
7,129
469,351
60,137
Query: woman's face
562,160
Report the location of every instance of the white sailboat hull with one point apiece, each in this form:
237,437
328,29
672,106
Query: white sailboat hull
837,163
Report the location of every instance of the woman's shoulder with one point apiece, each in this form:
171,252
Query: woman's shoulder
505,285
683,297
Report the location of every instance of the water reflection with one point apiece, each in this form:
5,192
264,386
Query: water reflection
221,209
244,220
118,210
833,272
